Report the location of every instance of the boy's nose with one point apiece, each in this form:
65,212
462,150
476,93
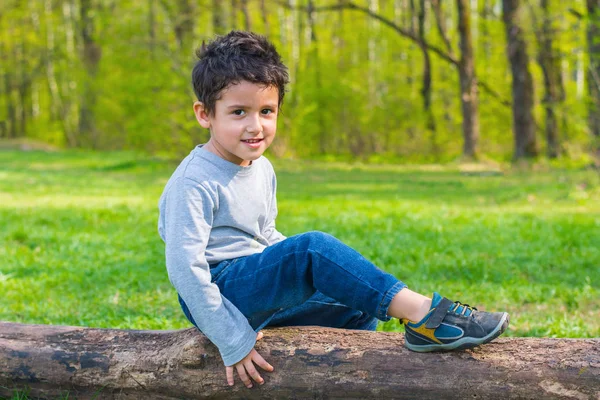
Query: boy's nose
254,124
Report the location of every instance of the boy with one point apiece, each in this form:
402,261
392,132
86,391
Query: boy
234,272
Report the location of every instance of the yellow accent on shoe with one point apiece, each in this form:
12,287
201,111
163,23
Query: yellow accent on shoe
423,330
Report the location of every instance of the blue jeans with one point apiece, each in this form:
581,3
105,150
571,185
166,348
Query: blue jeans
307,279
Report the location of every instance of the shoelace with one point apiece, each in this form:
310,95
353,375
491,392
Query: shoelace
466,307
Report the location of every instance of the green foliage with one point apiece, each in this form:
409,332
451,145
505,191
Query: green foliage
79,243
355,90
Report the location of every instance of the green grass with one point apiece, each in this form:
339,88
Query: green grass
23,394
79,244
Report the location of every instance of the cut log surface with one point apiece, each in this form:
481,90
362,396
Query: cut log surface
310,362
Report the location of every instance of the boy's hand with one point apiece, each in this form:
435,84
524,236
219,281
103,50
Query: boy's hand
246,369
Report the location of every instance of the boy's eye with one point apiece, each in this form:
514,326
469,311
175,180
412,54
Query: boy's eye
266,111
238,112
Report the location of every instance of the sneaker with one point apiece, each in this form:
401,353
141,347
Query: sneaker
451,326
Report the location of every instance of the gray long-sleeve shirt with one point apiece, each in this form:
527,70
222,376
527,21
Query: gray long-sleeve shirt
213,210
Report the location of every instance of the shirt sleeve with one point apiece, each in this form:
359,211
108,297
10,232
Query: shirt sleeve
189,211
270,232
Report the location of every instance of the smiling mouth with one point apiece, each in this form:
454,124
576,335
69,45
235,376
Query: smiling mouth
252,140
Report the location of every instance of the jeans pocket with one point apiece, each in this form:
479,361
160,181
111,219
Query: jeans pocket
218,271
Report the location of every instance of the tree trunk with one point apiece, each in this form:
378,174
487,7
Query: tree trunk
593,33
469,97
427,85
309,362
426,88
549,60
522,82
91,60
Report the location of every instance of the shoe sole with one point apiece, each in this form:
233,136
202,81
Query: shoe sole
462,343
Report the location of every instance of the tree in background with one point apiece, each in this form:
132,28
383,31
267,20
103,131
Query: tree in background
115,75
90,55
468,82
465,65
549,58
522,82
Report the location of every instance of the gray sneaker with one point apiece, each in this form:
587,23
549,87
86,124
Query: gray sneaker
451,326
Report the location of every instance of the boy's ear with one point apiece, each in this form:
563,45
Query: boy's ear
201,114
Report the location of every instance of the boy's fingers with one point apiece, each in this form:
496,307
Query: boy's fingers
229,373
260,361
243,376
259,335
254,373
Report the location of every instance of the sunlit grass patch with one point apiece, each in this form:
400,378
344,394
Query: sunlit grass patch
79,242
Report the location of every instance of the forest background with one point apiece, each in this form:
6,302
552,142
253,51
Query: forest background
374,80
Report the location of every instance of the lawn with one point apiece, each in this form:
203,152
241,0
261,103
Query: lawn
79,244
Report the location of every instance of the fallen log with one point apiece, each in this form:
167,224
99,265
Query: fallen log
310,362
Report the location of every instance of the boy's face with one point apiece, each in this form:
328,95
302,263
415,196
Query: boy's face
244,122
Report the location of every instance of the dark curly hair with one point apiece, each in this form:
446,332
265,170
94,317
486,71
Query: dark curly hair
232,58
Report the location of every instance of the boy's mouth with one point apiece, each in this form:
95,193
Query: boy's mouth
253,143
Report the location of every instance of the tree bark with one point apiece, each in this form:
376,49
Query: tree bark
549,60
309,362
469,96
522,82
426,88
